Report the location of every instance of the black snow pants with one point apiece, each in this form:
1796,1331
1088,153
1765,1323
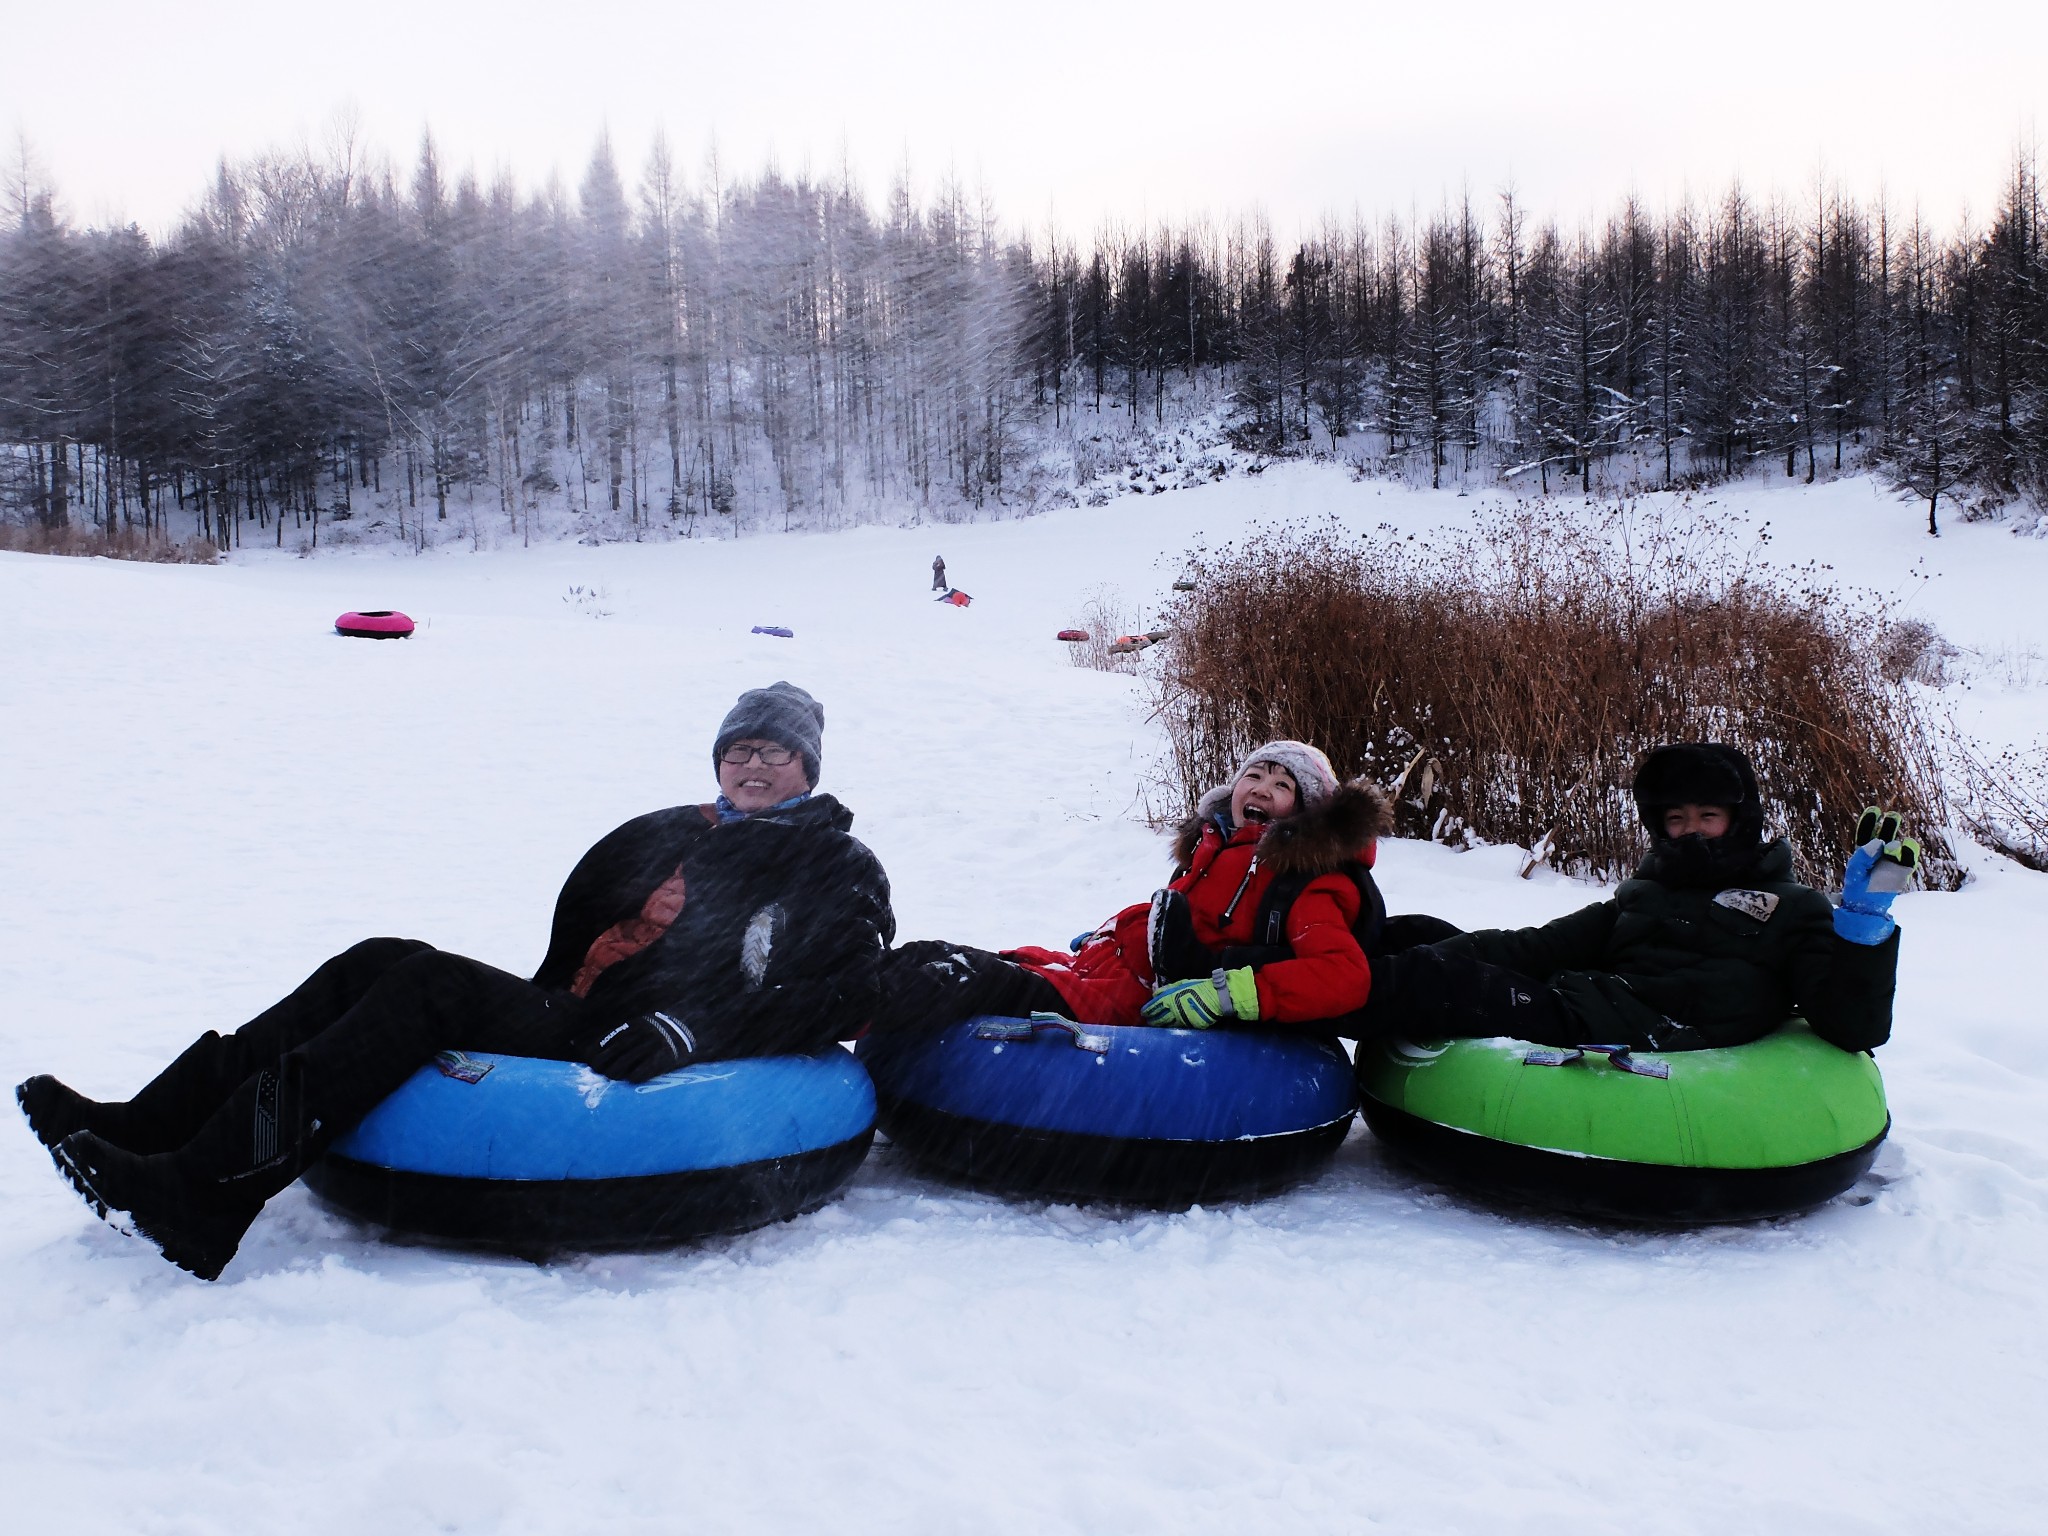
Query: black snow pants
929,985
369,1018
1420,992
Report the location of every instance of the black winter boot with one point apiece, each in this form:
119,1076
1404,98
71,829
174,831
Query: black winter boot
55,1111
196,1203
165,1115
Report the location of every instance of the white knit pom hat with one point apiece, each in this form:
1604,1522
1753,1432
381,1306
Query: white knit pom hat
1315,781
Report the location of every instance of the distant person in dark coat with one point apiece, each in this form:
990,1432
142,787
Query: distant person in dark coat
751,926
938,573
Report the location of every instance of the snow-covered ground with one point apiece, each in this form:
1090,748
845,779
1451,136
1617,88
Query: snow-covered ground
207,793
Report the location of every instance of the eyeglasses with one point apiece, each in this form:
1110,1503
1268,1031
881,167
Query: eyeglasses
771,757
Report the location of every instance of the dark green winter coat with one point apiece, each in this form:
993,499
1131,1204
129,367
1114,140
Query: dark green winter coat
1663,967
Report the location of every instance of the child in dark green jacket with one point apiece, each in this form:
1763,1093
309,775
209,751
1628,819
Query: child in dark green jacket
1712,943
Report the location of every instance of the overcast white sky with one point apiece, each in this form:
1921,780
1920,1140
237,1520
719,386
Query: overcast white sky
1084,108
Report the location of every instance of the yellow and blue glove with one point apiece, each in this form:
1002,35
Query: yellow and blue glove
1205,1003
1882,866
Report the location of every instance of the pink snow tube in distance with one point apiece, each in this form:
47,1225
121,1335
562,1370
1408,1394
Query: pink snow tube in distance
374,624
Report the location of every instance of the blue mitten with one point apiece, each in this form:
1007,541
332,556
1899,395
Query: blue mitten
1882,866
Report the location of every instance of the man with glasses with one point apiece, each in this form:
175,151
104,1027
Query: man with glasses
751,926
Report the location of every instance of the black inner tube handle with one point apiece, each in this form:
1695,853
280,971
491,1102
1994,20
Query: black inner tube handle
1026,1029
1618,1057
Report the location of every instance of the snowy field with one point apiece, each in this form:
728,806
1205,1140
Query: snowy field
207,793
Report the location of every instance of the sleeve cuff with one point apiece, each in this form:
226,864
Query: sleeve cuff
1866,928
1244,993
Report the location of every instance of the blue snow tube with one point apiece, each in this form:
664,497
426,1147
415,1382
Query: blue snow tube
535,1156
1165,1117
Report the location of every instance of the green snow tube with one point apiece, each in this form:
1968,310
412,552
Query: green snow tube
1681,1137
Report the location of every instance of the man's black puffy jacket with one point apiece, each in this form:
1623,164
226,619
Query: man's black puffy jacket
765,933
1663,966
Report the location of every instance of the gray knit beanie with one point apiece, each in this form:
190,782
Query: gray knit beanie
1315,781
780,712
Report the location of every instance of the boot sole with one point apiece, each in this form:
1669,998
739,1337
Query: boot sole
21,1103
191,1254
43,1134
81,1181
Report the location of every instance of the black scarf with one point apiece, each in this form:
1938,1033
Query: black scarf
1701,863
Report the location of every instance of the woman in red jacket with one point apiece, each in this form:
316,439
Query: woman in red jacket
1268,919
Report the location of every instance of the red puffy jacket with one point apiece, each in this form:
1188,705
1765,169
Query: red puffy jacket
1225,879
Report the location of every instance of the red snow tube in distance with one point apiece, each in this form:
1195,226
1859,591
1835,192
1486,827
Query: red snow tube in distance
374,624
1072,636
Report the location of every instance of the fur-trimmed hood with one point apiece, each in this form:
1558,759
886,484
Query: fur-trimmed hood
1311,843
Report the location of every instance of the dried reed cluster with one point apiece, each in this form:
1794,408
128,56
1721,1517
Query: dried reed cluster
1106,617
2002,798
1505,680
114,543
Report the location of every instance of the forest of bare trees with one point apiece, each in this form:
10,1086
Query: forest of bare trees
324,339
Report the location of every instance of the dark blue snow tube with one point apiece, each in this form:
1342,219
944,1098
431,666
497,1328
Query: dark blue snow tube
534,1156
1167,1117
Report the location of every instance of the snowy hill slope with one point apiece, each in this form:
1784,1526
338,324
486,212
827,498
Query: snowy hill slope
208,793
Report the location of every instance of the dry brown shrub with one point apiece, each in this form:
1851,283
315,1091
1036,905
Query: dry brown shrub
1105,618
2002,798
114,544
1507,680
1914,650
